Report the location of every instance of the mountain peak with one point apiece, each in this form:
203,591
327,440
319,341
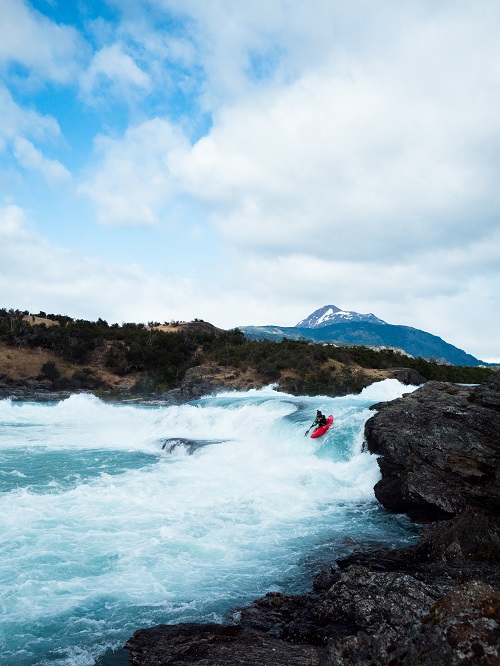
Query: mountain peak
331,314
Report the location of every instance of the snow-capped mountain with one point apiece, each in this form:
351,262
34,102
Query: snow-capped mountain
331,325
331,314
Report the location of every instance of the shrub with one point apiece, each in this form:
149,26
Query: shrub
50,371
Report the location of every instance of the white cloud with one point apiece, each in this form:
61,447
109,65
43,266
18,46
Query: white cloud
37,275
31,158
20,121
111,66
368,161
30,39
376,153
133,180
12,224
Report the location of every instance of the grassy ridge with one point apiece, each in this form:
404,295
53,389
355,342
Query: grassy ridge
158,359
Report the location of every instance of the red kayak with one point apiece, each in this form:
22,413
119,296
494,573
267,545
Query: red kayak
320,430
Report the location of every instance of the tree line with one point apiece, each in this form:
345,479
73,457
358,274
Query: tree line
161,358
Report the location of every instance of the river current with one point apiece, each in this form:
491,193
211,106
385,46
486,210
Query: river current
120,516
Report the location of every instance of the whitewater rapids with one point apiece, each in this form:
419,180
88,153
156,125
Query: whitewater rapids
117,516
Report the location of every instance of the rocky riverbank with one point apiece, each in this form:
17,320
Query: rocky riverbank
437,602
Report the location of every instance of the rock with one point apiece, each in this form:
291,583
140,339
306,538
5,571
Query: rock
469,536
34,391
189,445
488,393
462,628
366,599
199,381
439,451
214,645
408,376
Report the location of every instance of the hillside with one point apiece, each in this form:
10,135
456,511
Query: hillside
189,359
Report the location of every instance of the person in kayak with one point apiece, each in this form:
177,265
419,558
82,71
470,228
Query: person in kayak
320,420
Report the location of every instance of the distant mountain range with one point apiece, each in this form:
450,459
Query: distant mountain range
334,325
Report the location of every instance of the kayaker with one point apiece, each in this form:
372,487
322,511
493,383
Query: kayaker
320,420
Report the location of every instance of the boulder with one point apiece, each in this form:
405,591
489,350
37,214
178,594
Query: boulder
408,376
439,450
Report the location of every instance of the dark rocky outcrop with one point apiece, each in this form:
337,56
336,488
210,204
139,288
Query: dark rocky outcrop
437,602
199,381
461,628
407,376
211,644
172,444
440,450
34,391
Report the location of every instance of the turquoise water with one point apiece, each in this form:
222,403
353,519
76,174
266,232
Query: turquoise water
115,517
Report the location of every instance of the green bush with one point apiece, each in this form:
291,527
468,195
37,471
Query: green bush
50,371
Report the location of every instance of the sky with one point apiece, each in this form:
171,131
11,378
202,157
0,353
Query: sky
246,162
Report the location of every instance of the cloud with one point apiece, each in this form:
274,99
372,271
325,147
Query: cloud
133,179
37,275
370,161
377,152
19,123
17,120
12,225
31,158
30,39
112,67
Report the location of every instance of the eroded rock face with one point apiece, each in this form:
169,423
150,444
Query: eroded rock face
462,628
439,450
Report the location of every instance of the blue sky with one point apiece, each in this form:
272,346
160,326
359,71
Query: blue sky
248,162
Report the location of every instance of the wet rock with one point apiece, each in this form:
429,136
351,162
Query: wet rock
189,445
471,536
439,451
32,391
462,628
214,645
369,598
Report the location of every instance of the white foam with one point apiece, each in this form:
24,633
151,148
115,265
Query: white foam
185,532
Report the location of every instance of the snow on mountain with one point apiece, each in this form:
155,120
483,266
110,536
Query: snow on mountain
331,314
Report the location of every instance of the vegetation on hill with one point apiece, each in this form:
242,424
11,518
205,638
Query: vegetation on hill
160,358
